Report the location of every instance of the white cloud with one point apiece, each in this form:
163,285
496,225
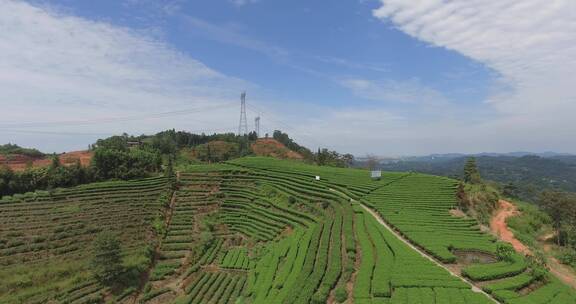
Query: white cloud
531,47
243,2
57,67
530,43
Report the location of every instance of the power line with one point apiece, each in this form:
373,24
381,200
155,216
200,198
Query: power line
53,132
205,131
116,119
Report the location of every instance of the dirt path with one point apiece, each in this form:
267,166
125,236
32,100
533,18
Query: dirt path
563,272
425,255
422,253
499,227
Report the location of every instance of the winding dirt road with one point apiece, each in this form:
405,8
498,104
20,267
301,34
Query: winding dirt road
499,227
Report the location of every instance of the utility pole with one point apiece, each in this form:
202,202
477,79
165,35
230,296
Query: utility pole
257,126
243,126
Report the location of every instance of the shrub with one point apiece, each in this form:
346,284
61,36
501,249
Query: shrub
505,252
341,294
567,257
107,261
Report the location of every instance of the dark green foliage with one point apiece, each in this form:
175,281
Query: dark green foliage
42,178
505,252
567,256
471,173
217,151
119,143
292,145
325,157
106,263
118,164
537,265
341,294
561,207
9,149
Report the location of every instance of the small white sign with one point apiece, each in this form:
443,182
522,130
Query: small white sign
317,177
376,174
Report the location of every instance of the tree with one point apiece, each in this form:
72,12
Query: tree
107,260
561,207
471,173
55,162
348,159
217,151
510,190
252,136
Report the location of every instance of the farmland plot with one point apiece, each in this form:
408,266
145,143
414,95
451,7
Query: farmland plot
260,230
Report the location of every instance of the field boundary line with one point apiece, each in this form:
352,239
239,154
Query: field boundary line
424,254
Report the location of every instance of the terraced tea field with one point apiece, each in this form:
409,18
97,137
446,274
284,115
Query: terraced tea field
45,237
260,230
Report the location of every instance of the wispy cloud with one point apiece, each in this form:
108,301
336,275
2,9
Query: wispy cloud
531,47
240,3
230,35
531,44
57,67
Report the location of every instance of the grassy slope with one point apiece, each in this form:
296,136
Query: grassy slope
262,230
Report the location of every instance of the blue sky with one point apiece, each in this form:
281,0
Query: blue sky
384,77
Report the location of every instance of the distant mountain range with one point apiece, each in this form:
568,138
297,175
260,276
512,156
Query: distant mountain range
449,156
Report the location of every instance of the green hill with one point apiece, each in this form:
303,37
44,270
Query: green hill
262,230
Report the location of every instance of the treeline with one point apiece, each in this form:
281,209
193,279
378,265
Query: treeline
561,207
106,164
219,147
323,157
11,149
127,157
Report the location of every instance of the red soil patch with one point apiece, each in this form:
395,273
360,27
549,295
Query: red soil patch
273,148
498,226
19,162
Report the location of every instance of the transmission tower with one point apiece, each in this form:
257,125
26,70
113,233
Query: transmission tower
257,126
243,126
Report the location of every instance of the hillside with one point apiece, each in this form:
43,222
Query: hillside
261,230
19,162
273,148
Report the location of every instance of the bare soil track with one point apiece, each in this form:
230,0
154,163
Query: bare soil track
499,227
422,253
